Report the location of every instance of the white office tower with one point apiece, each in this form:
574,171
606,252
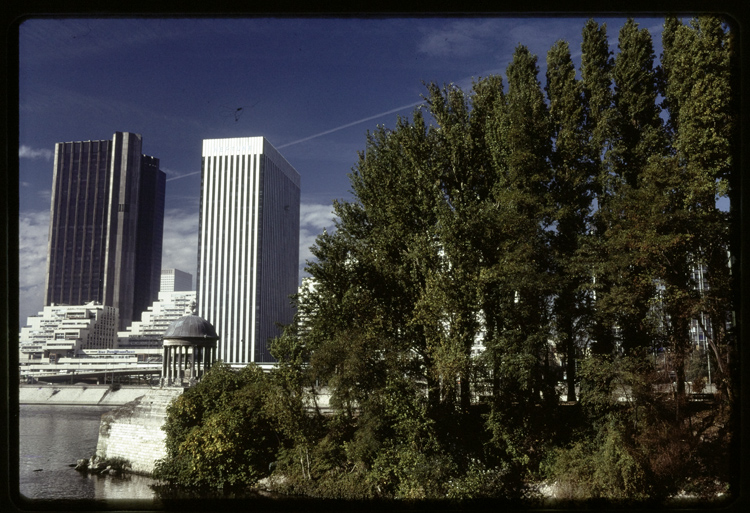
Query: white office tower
248,249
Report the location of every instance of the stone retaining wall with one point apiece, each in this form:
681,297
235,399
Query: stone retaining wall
134,432
93,395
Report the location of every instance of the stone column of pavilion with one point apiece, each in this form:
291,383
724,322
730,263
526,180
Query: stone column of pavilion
189,351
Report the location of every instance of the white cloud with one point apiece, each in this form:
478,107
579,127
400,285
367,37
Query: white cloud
180,241
33,231
27,152
316,215
313,218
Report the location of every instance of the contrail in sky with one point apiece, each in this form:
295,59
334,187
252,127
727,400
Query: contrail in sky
322,133
183,176
350,124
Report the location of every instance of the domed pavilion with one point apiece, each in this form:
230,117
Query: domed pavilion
189,351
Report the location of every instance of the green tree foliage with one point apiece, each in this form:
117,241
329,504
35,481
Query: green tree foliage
519,353
630,447
571,191
217,432
697,89
596,81
498,240
637,136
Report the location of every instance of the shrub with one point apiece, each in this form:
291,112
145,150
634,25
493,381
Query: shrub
217,432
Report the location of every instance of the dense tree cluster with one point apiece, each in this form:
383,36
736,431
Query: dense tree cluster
505,247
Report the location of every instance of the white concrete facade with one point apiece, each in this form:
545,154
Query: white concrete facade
175,280
248,245
66,331
156,319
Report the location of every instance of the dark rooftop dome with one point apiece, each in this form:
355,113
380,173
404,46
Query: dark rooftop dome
191,326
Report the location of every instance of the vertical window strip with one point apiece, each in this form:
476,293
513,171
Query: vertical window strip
230,256
242,262
254,253
214,248
225,247
225,255
210,279
226,234
221,254
249,291
247,256
205,263
241,208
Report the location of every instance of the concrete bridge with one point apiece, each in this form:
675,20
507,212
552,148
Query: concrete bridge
98,376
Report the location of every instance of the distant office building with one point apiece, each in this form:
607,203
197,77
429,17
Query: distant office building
106,222
248,247
156,319
61,331
150,234
173,280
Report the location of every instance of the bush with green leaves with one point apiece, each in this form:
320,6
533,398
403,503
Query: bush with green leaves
218,434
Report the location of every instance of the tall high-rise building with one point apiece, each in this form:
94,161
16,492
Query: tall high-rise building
106,222
248,248
150,234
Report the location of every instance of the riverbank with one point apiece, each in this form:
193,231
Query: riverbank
51,438
79,395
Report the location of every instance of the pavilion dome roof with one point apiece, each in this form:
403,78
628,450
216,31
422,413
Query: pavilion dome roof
191,327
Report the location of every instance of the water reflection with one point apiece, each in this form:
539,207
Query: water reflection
127,486
54,437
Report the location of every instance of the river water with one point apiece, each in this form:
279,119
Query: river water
53,437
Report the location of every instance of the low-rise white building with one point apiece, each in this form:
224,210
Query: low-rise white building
65,331
148,332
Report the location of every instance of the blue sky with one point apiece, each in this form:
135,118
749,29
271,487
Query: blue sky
311,86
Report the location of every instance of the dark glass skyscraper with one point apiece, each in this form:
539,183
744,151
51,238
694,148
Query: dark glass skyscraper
106,223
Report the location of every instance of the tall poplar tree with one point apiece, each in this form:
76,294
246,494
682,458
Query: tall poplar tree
596,80
696,85
520,146
637,136
573,174
463,183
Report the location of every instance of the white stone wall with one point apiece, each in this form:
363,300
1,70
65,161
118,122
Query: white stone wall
140,444
87,395
134,432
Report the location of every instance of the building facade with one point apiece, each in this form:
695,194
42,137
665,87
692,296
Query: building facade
173,280
63,331
148,332
149,234
248,248
106,222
